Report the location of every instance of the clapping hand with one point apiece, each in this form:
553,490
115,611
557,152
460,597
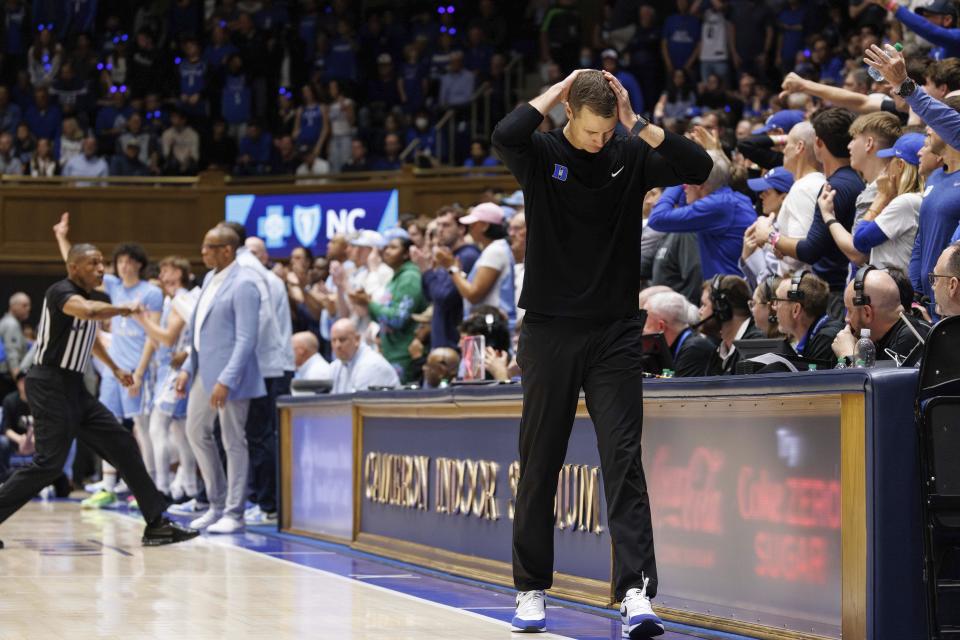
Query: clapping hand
826,202
444,257
359,297
420,258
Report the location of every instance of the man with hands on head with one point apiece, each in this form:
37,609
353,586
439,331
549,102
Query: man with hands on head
582,186
62,407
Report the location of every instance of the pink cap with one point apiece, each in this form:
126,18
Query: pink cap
484,212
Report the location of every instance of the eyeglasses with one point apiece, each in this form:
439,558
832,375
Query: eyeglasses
932,278
753,304
779,300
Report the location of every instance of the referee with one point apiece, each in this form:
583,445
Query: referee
583,187
62,407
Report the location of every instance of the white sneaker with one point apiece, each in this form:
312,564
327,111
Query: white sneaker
205,520
637,616
227,524
189,508
121,487
258,516
531,614
93,487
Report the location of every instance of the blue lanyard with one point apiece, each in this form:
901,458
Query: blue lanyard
802,345
680,341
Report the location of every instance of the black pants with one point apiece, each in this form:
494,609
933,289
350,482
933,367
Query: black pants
559,356
262,443
62,410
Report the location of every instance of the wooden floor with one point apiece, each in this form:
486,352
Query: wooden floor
67,573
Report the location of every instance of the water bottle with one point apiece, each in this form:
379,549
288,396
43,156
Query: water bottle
876,75
866,352
841,363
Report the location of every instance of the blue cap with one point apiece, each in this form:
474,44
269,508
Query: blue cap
907,148
781,120
777,178
395,232
940,7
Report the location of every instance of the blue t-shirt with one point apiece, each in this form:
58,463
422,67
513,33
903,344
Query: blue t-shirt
216,57
792,40
311,123
129,338
14,31
44,124
939,218
308,33
682,33
341,61
819,249
412,75
191,77
235,100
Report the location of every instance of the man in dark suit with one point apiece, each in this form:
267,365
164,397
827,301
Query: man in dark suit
671,314
727,300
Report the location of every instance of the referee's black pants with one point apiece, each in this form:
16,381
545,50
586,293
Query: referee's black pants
558,356
62,410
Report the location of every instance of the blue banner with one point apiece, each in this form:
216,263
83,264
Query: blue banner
286,222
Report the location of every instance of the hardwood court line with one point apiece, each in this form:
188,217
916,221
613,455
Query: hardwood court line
376,587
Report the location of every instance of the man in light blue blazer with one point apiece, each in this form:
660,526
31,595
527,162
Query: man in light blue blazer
225,377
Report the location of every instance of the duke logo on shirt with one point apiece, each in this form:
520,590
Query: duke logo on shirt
560,172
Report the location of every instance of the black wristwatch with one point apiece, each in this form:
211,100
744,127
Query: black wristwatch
907,88
639,125
832,221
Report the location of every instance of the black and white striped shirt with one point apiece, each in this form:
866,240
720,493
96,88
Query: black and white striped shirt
63,341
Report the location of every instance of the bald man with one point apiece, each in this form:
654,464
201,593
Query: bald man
443,363
879,311
946,281
258,248
224,376
310,364
357,367
14,344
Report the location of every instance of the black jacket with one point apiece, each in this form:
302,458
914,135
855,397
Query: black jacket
900,340
717,366
819,345
692,358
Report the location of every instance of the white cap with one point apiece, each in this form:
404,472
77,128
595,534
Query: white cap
864,333
368,238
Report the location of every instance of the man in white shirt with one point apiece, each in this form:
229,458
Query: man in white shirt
310,364
275,359
357,367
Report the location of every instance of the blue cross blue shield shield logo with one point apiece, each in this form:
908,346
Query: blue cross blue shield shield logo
306,224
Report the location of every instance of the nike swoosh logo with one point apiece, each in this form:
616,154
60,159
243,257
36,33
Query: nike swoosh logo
616,173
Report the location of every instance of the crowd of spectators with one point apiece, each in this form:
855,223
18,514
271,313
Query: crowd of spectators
251,87
832,206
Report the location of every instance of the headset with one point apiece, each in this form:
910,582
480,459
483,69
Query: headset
770,293
795,294
722,309
860,298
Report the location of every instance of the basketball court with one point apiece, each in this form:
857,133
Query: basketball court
72,573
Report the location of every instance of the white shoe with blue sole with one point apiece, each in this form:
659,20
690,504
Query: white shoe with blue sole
636,614
531,614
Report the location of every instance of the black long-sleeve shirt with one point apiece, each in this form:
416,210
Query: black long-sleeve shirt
759,149
584,212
